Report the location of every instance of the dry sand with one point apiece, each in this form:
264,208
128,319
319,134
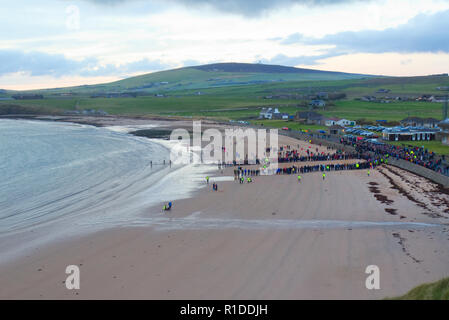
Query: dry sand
272,239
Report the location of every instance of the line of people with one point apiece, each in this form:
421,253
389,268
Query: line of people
241,172
327,167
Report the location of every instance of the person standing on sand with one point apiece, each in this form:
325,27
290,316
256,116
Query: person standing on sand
368,173
299,179
324,176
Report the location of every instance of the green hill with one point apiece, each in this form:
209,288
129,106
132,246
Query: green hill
207,76
227,74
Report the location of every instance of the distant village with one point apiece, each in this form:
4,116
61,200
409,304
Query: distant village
409,129
385,98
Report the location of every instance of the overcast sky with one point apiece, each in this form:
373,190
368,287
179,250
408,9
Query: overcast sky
54,43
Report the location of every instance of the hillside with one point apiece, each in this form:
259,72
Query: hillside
227,74
207,76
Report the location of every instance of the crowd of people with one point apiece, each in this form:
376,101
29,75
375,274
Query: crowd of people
417,155
296,156
287,154
368,156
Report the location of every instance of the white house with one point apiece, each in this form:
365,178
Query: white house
345,122
328,122
266,113
269,113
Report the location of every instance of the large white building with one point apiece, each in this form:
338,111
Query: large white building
345,122
270,113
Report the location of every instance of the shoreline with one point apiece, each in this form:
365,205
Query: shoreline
110,120
43,238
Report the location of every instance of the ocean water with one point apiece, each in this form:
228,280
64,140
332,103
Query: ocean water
59,180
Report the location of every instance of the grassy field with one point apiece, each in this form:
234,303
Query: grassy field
435,146
431,291
395,111
289,124
234,106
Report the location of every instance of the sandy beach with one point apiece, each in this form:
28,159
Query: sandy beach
274,238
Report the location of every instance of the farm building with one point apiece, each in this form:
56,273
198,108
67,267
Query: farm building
317,103
310,117
409,134
336,129
368,98
420,122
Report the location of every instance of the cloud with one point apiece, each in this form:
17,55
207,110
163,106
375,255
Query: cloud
57,65
423,33
108,2
243,7
284,60
293,38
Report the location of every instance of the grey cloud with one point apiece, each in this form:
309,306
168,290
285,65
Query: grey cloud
423,33
107,2
244,7
57,65
37,63
293,38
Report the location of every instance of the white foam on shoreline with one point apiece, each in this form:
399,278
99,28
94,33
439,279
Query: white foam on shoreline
194,222
109,203
130,128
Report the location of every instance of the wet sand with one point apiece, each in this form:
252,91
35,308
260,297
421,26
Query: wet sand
274,238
